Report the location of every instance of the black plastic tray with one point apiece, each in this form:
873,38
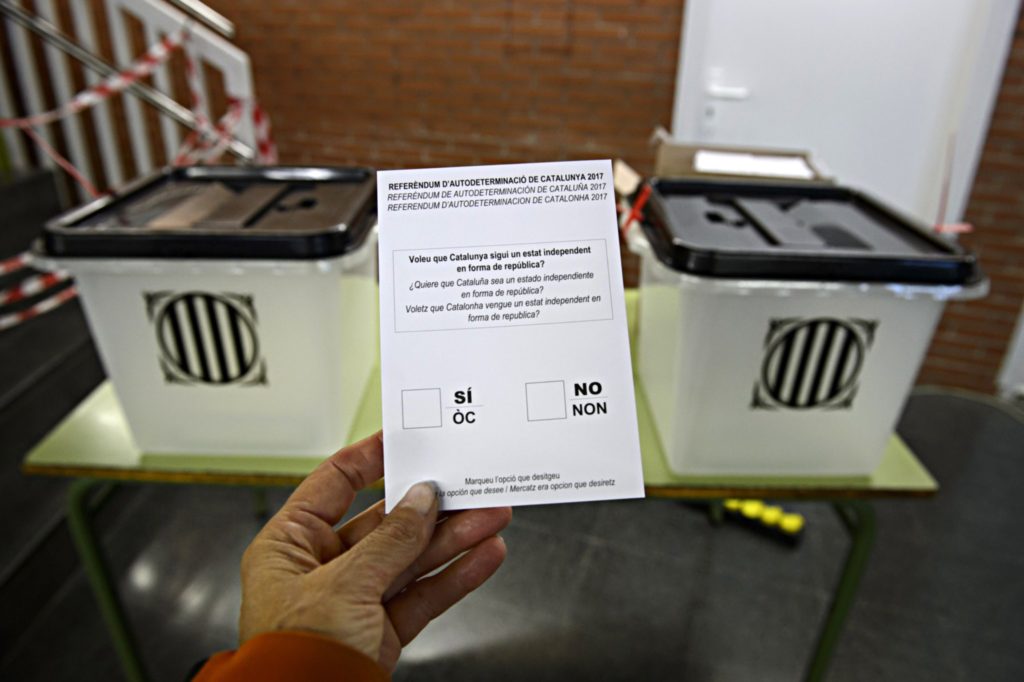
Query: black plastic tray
786,231
300,213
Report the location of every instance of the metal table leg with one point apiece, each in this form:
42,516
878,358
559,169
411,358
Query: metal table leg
716,512
260,497
859,518
103,587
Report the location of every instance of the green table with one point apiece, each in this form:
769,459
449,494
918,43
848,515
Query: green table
93,445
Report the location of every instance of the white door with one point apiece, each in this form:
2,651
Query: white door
892,97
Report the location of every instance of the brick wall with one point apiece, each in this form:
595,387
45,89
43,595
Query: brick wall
394,83
969,347
400,84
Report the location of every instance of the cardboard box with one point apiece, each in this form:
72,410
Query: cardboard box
678,160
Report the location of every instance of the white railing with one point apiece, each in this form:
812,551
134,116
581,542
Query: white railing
35,83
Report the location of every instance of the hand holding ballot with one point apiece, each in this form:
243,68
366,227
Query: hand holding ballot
363,584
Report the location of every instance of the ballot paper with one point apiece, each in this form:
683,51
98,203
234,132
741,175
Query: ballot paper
505,372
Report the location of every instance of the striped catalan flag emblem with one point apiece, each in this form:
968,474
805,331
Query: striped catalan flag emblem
813,363
206,338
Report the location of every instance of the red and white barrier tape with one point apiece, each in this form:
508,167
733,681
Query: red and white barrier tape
32,286
215,138
156,55
44,306
59,159
195,91
266,150
204,145
224,133
14,263
637,211
207,145
955,228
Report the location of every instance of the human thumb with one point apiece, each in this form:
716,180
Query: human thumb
395,544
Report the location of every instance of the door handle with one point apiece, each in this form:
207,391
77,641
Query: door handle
731,92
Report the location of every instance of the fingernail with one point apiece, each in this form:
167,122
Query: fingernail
420,498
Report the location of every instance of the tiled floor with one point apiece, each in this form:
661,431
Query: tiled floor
614,591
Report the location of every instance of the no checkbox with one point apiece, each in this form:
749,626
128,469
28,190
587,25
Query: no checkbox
421,408
545,400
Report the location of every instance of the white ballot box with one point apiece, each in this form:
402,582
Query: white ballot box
781,327
234,308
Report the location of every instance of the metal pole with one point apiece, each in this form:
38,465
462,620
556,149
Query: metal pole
859,518
165,104
101,580
207,15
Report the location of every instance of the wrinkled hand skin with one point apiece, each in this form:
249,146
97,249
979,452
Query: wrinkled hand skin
365,584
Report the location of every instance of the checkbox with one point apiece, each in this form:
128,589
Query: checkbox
545,400
421,408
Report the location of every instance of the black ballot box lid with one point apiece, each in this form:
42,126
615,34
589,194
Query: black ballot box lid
771,230
269,212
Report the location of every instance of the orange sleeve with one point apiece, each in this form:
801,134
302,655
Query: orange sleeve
292,656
